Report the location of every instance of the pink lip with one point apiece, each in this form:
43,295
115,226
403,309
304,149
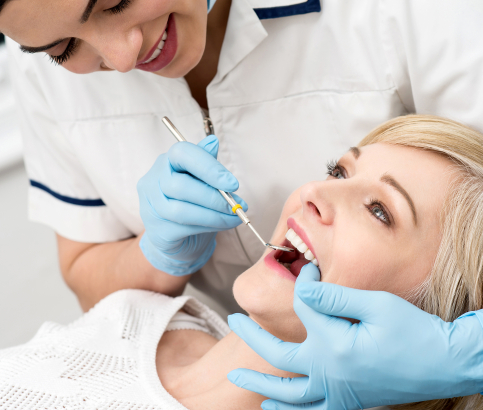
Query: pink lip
272,264
168,52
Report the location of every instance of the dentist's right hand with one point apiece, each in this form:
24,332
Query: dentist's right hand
181,208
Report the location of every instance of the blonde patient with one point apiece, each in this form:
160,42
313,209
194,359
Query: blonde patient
400,213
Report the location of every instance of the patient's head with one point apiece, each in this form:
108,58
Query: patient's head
402,213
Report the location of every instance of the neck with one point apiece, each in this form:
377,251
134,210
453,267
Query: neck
204,384
201,75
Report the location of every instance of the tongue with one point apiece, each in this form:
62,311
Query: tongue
297,266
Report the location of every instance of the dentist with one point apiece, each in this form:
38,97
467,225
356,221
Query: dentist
286,85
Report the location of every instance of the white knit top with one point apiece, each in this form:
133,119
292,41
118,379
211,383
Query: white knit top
104,360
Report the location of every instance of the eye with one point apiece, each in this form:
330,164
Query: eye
121,6
69,51
379,212
335,170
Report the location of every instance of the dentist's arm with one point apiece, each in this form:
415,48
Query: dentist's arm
182,212
396,354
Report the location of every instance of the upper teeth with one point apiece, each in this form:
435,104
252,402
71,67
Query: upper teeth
296,241
159,47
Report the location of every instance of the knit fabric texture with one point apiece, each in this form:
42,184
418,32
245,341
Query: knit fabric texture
105,360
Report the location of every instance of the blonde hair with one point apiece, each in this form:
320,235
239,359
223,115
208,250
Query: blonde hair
455,284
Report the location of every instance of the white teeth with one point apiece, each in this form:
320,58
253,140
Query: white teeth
296,241
159,47
309,255
302,247
290,234
156,53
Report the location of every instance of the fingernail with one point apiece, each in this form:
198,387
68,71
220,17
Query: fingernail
269,405
211,146
233,376
233,321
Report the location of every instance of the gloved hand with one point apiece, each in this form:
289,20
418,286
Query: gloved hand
396,354
181,209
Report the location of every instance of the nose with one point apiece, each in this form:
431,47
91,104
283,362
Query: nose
119,50
317,202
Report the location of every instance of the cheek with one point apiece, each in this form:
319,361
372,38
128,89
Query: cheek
362,262
373,262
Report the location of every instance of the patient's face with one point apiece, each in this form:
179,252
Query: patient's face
373,224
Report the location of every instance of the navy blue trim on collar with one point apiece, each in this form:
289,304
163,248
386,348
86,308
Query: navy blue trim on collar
310,6
69,200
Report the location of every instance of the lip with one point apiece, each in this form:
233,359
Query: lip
272,264
168,52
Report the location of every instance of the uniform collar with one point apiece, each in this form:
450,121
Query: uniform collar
245,31
271,9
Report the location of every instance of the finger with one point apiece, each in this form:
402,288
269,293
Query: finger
184,187
211,145
275,351
165,210
187,157
340,301
313,320
278,405
291,390
309,273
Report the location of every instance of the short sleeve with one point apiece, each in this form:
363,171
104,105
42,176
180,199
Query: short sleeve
61,195
434,57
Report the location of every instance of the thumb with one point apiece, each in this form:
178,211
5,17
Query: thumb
310,316
336,300
211,145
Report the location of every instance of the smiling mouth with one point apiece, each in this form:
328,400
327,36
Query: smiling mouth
296,260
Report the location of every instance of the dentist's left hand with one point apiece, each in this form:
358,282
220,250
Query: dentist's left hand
181,208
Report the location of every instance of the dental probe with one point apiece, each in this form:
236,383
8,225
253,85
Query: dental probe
236,208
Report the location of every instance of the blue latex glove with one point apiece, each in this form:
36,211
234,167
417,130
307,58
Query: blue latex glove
396,354
181,209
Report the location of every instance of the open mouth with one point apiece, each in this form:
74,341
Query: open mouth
296,260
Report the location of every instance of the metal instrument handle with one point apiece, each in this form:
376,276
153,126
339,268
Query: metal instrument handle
225,195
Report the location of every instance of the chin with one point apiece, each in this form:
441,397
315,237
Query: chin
269,305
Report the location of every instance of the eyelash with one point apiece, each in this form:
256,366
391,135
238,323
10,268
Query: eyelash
69,51
74,43
333,166
122,5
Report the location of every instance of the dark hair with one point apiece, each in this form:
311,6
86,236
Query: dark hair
2,3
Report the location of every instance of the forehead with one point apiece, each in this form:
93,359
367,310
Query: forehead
38,22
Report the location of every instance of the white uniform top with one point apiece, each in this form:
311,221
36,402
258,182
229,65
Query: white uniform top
297,85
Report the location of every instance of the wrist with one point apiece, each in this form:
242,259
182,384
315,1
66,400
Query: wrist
170,264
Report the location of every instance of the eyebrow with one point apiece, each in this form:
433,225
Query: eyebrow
88,11
355,151
392,182
85,16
